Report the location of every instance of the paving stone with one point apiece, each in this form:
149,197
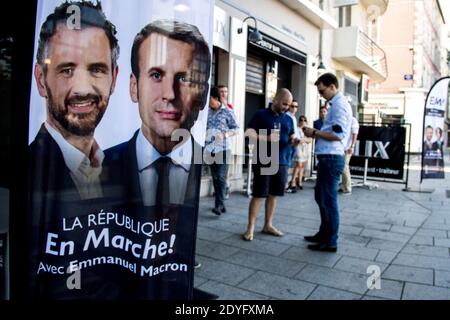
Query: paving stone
426,250
386,256
262,262
442,242
388,245
357,265
222,271
222,225
409,274
215,250
413,223
436,226
277,287
372,298
442,278
257,245
357,251
372,225
210,234
325,293
432,233
198,281
305,255
353,239
343,229
333,278
226,292
403,230
423,240
427,262
385,235
423,292
296,230
389,290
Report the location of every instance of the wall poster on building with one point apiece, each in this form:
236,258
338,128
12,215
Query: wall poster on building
433,131
117,123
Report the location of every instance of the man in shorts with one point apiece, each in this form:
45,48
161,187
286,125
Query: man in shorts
271,125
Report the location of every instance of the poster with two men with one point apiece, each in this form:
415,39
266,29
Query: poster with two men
116,128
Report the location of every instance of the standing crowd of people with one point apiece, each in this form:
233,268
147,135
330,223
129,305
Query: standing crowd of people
333,137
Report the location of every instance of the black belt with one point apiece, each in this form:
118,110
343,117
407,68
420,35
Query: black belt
329,156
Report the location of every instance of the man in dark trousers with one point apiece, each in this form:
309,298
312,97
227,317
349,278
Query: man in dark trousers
330,150
271,125
221,127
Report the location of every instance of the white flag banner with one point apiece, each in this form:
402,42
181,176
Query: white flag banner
433,128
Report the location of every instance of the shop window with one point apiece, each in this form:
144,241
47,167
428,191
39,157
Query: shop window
255,75
351,92
345,16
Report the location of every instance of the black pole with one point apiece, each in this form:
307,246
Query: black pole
19,19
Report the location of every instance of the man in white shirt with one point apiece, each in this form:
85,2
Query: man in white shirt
330,145
346,185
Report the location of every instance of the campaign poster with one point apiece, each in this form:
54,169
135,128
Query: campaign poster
433,129
117,123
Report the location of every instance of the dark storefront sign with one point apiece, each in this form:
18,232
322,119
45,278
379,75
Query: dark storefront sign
274,46
385,149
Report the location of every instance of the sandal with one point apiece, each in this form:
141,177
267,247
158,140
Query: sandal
273,232
247,236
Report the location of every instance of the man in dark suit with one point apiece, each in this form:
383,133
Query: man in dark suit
76,72
317,124
159,168
76,83
170,87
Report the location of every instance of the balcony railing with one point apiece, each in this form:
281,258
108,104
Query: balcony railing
359,52
372,54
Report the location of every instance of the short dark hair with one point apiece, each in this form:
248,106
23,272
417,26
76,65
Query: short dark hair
180,31
91,15
323,107
327,79
302,117
220,86
214,93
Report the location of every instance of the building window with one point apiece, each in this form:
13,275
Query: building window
345,16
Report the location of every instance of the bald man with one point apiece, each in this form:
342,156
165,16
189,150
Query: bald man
271,125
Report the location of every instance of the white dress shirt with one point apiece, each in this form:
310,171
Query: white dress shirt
147,154
338,121
85,174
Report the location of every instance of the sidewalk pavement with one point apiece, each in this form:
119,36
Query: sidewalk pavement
404,234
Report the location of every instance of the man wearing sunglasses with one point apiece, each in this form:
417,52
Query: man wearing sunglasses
330,150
